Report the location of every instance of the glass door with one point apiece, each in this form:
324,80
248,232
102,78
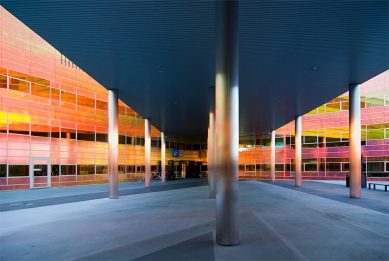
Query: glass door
40,173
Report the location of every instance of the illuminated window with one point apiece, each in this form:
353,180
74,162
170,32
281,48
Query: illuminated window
3,81
19,85
68,97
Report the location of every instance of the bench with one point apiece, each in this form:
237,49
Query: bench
374,184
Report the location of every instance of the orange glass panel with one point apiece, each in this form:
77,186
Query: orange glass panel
19,85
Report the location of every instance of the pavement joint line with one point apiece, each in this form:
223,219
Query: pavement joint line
286,242
339,217
183,235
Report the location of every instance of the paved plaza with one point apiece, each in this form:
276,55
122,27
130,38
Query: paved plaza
176,221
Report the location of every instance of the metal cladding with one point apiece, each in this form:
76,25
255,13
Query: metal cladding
147,153
227,123
113,143
298,146
355,140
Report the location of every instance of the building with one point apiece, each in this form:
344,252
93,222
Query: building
53,113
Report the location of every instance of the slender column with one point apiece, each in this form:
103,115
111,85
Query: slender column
211,144
113,140
147,153
163,157
227,122
355,140
273,156
297,142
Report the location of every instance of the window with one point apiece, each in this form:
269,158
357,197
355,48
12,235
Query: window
68,133
3,170
19,85
101,105
40,90
3,81
85,101
130,169
101,169
85,169
310,167
68,97
140,169
122,139
68,170
250,167
18,170
101,137
54,170
241,168
121,169
333,167
375,166
279,167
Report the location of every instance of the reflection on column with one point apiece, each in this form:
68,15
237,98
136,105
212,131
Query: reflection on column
113,140
163,157
273,156
227,123
297,139
211,144
355,140
147,153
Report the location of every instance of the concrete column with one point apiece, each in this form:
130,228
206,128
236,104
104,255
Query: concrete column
163,157
297,144
113,143
147,153
355,140
227,122
211,144
273,156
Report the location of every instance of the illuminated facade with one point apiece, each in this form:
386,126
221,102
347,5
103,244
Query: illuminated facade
325,139
52,113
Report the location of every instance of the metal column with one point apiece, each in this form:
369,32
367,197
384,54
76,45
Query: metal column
297,144
113,140
355,140
227,122
211,144
163,157
273,156
147,153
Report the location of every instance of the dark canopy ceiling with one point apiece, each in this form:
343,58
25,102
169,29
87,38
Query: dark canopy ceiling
160,54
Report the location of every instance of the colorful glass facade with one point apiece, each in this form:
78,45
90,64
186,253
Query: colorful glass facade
51,110
325,139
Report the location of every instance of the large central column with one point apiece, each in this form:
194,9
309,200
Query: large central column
355,140
227,123
147,153
211,144
273,156
297,144
113,141
163,157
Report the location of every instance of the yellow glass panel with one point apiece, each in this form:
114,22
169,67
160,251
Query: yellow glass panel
332,107
375,134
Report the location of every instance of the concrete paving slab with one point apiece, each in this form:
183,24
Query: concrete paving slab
276,223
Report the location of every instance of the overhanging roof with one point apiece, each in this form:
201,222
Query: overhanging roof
160,54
